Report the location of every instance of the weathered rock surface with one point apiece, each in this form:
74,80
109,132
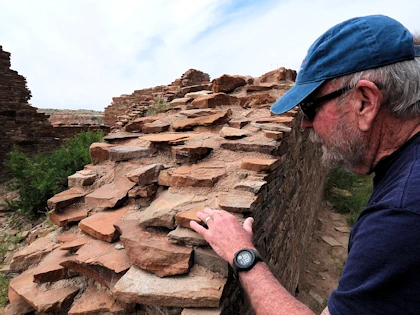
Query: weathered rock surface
276,135
184,236
53,300
260,165
220,117
145,175
81,178
138,123
154,252
65,198
138,286
247,146
144,191
280,119
125,153
227,83
18,305
208,258
99,301
69,215
183,218
256,99
167,137
120,135
162,211
101,225
190,154
32,254
236,203
204,174
253,186
99,152
50,270
155,127
213,100
232,133
76,243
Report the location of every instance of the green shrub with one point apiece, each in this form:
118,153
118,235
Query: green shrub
160,105
348,192
44,175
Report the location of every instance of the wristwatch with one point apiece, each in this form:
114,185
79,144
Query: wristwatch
244,260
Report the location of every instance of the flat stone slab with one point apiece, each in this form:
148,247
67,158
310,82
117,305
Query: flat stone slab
186,236
162,211
143,192
220,117
202,311
287,120
331,241
190,154
76,244
253,186
213,100
121,135
101,225
272,127
99,152
232,133
65,198
156,127
69,215
50,270
141,287
183,218
204,174
98,301
247,146
276,135
125,153
167,137
208,258
81,178
153,251
342,229
235,203
145,175
52,300
32,254
260,165
138,123
17,304
194,113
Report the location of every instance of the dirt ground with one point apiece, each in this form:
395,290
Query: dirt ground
325,259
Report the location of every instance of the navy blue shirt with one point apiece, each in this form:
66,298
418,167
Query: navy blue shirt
382,271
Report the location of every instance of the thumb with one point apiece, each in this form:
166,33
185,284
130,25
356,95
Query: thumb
248,225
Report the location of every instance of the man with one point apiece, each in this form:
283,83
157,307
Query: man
359,91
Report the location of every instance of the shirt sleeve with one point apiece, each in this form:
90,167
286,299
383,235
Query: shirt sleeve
382,271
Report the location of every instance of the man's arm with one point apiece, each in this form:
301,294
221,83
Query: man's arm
226,236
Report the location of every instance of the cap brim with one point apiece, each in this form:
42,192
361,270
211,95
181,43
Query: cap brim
294,96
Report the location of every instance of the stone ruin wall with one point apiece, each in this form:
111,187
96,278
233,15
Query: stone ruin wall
21,125
124,221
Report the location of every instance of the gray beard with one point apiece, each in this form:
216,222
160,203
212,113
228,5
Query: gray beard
344,149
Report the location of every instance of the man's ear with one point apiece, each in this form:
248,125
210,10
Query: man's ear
368,103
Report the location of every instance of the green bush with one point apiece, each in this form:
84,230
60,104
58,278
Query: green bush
348,192
44,175
160,105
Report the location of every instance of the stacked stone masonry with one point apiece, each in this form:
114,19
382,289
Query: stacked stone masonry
21,125
124,245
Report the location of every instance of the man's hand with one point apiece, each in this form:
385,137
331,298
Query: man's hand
224,234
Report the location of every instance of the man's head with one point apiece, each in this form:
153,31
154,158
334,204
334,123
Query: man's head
353,71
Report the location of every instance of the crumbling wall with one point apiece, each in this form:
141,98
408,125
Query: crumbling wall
124,221
20,124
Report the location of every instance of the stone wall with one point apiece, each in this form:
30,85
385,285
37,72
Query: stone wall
20,124
124,221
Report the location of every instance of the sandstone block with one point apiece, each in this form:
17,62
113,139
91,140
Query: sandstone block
204,174
250,185
272,127
167,137
238,123
218,118
138,286
125,153
190,154
120,135
50,270
247,146
32,254
153,251
81,178
97,301
145,175
183,218
101,225
208,258
143,192
280,119
52,300
184,236
232,133
76,243
155,127
202,311
180,101
194,113
69,215
17,304
227,83
256,99
65,198
99,152
197,94
235,203
138,123
276,135
162,211
260,165
213,100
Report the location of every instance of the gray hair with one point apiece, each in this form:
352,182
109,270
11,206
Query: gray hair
399,83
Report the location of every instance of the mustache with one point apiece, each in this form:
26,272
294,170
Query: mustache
314,137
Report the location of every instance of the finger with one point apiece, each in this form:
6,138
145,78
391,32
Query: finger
248,224
198,228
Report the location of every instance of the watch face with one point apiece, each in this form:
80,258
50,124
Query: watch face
244,259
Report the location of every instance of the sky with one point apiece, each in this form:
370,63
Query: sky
78,54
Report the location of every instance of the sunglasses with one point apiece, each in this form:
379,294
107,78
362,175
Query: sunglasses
308,108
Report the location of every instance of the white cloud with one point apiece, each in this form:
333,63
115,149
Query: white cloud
80,54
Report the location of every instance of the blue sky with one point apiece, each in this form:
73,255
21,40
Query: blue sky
81,53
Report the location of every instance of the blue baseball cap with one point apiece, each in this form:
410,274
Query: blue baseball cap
354,45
